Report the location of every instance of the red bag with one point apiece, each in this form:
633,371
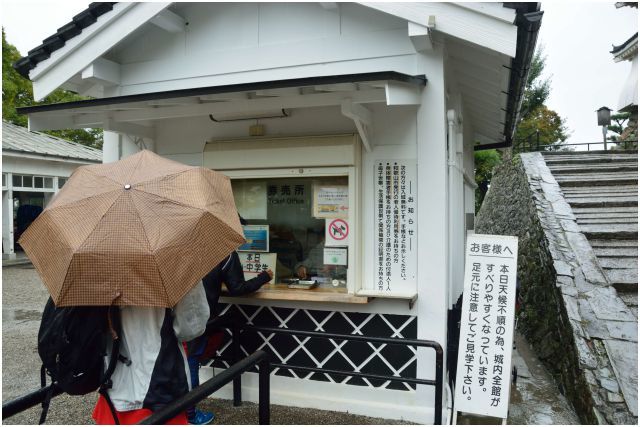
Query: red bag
214,341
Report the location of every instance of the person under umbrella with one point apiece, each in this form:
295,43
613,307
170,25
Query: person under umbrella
229,272
139,233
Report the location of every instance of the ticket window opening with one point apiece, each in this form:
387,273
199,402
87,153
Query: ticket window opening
293,214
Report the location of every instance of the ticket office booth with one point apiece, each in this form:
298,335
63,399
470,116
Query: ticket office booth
302,200
349,217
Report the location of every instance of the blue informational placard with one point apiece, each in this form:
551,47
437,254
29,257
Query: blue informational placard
257,237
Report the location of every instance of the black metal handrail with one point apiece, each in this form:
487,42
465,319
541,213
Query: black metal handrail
438,382
530,146
25,402
260,358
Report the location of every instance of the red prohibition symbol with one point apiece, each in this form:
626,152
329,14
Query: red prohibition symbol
338,229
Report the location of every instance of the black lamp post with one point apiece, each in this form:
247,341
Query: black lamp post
604,120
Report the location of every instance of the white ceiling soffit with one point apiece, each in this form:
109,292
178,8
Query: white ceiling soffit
482,77
82,50
485,24
137,118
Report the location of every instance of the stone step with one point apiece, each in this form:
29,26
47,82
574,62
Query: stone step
614,189
623,279
610,231
629,298
608,202
623,263
602,192
603,214
592,180
617,252
608,220
555,158
613,243
622,210
586,167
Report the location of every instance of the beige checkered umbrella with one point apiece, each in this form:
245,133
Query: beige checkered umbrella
141,231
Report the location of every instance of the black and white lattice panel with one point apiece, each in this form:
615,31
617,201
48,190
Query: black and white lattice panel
350,356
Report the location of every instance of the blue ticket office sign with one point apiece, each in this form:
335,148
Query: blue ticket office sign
257,237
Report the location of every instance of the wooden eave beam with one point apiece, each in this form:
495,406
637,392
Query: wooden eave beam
92,43
169,21
466,23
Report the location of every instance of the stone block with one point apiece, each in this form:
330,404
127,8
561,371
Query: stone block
585,355
569,226
614,398
571,304
569,290
590,377
581,283
579,330
562,268
609,385
604,372
607,306
624,360
627,331
594,327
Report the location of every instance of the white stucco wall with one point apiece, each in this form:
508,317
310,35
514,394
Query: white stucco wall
228,43
31,166
238,43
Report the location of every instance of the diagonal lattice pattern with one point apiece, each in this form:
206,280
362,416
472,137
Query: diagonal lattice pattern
374,358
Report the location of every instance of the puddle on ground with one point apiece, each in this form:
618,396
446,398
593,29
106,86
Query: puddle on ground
21,315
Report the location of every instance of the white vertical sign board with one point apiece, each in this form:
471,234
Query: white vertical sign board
396,241
483,377
254,263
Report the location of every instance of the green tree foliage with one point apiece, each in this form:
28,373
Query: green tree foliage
537,89
486,160
618,126
537,124
543,125
624,131
18,92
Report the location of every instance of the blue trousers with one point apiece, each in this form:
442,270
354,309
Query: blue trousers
194,369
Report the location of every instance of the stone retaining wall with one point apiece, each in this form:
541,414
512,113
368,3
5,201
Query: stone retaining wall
525,201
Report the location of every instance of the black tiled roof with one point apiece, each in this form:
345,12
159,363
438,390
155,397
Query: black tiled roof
64,33
618,48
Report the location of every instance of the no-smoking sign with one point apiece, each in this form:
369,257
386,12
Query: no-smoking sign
337,231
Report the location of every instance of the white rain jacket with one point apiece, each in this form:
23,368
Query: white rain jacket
152,341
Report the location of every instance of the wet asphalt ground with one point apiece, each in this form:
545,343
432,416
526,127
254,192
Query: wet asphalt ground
535,399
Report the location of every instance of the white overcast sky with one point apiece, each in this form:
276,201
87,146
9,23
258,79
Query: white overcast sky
576,36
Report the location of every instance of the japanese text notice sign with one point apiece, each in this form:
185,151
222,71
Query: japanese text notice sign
395,224
483,377
254,263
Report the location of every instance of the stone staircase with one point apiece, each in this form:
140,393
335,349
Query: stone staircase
602,190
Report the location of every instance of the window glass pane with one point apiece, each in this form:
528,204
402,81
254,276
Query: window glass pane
4,179
37,181
296,216
17,180
61,182
27,181
48,182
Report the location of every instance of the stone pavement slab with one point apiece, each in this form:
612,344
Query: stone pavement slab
625,354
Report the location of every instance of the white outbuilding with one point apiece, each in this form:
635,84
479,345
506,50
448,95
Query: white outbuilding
34,167
348,130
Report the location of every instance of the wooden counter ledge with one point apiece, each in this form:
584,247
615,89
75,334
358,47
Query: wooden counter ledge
282,292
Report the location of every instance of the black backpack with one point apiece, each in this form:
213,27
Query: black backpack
72,343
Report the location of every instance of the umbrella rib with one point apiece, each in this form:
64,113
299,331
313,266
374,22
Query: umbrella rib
177,202
169,175
100,220
103,176
153,254
92,194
